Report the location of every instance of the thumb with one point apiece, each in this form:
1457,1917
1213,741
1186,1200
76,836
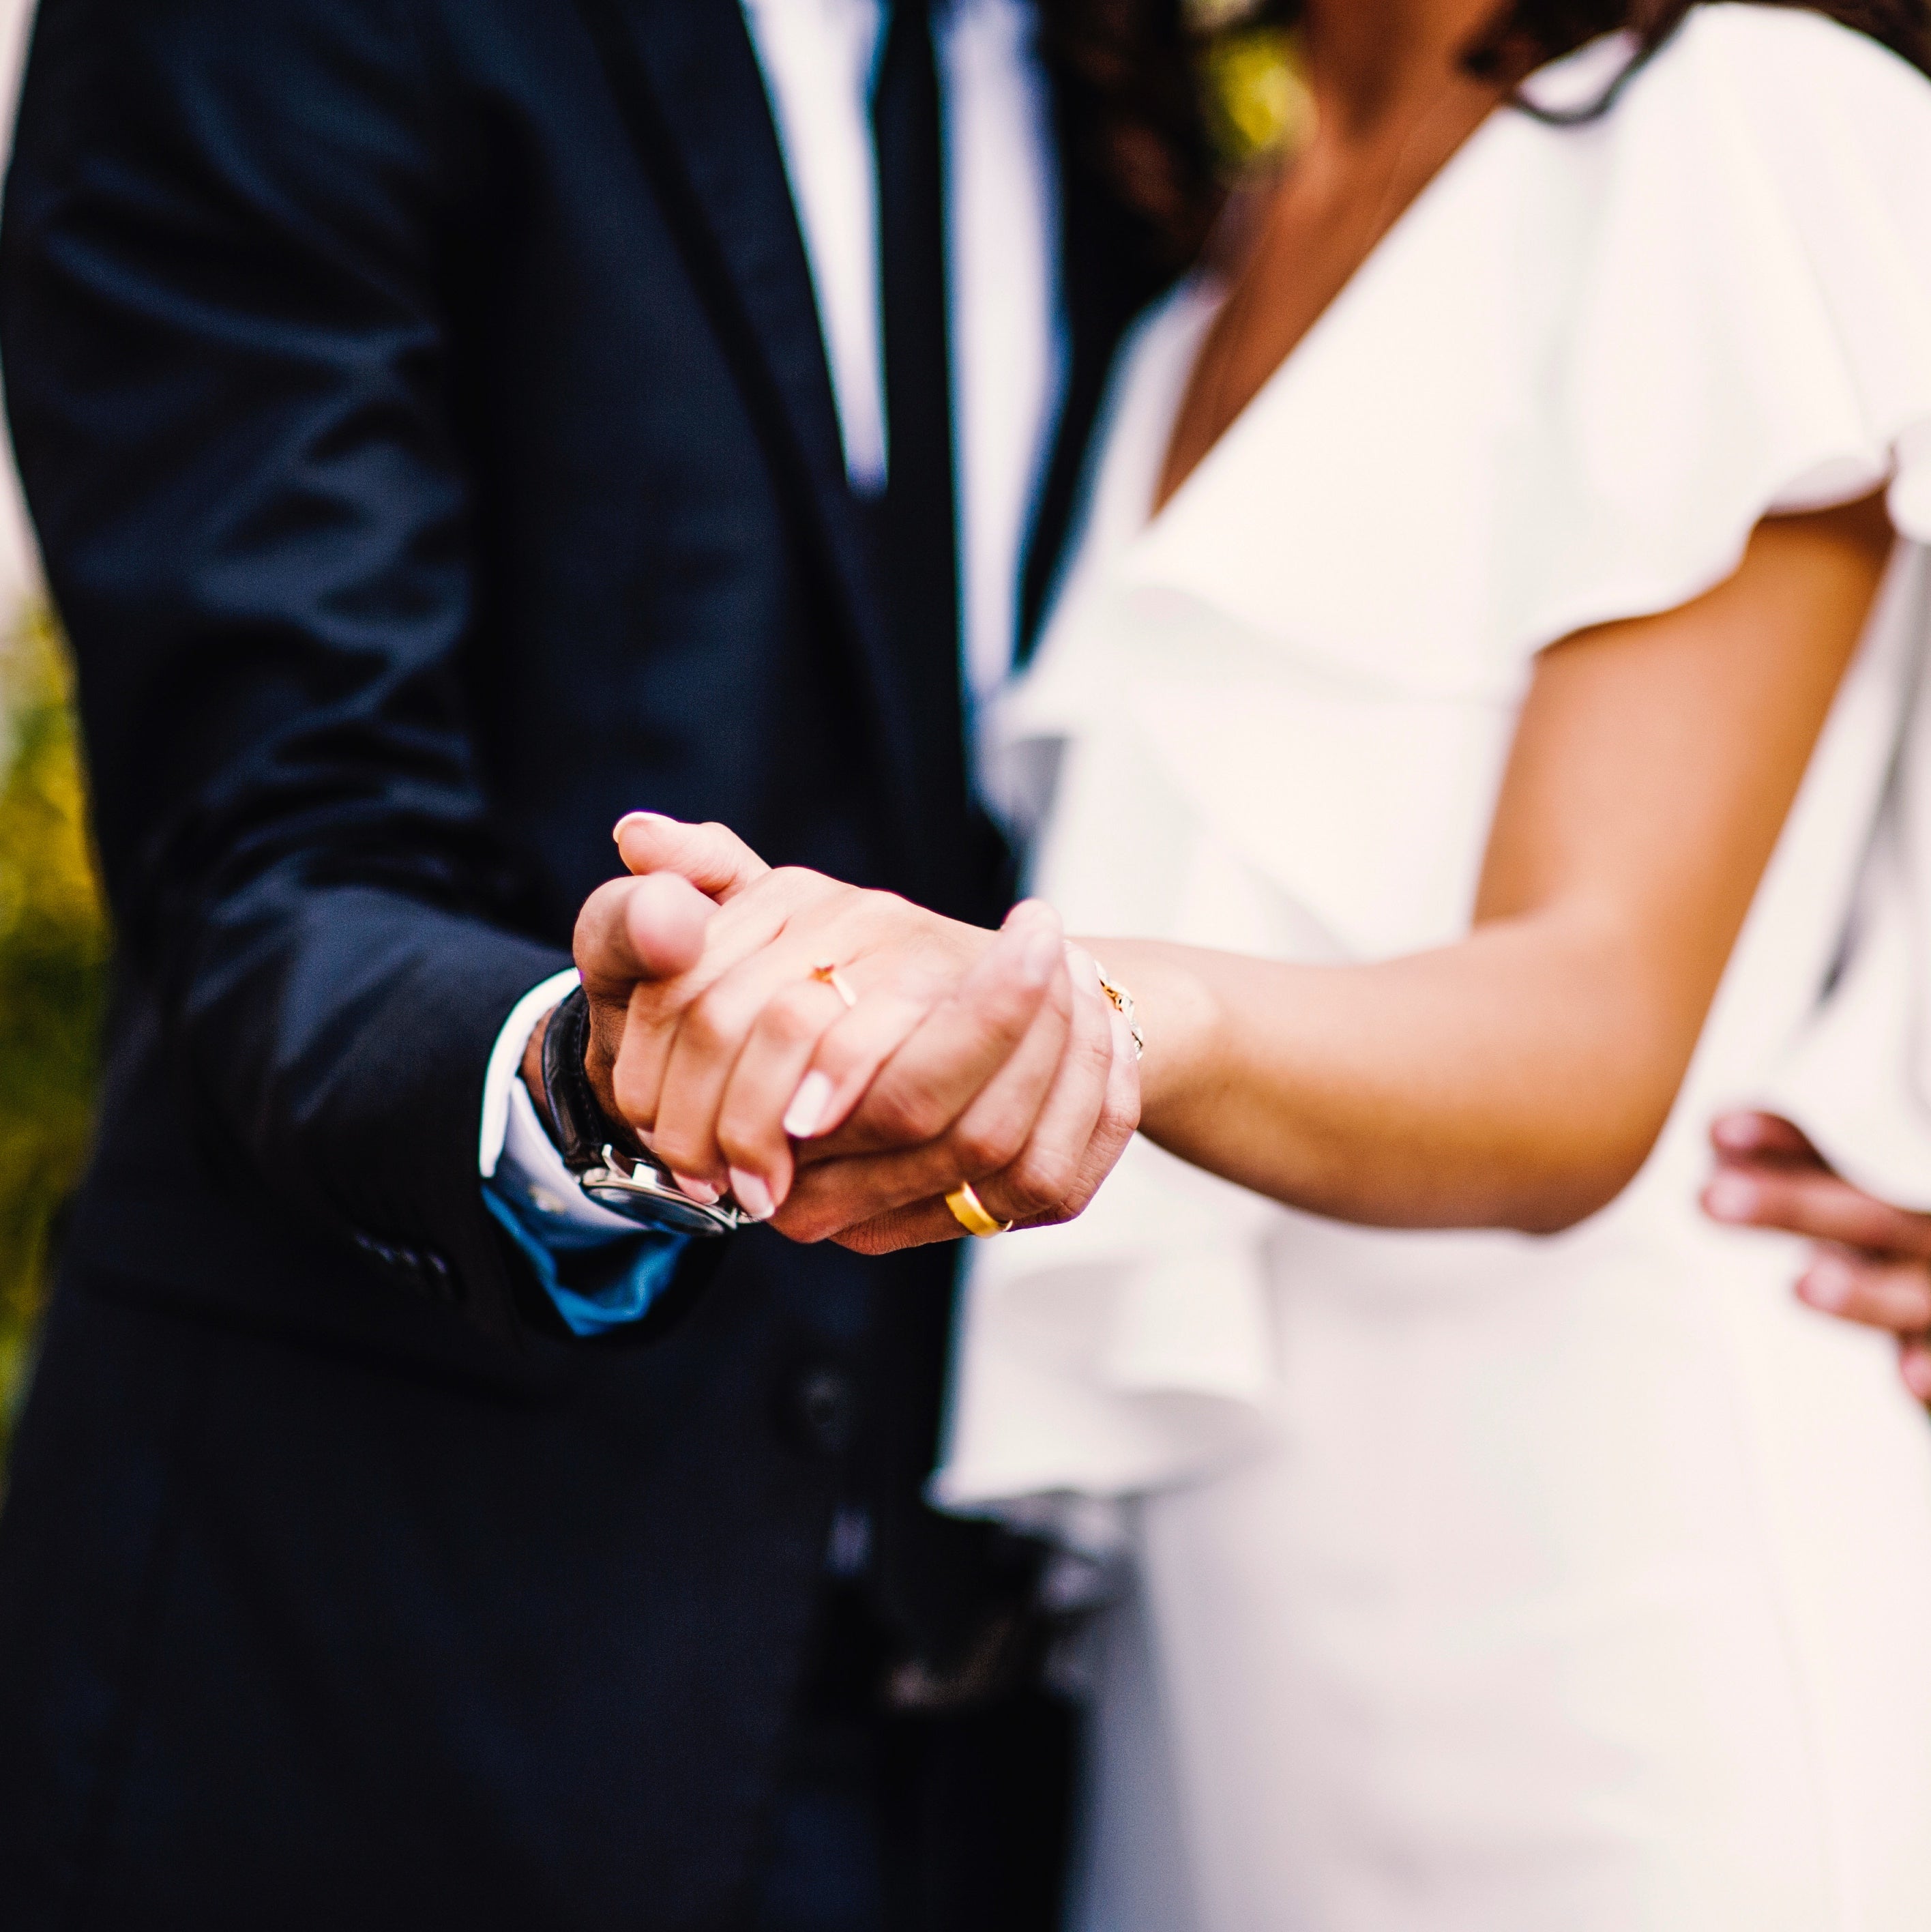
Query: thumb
633,929
711,857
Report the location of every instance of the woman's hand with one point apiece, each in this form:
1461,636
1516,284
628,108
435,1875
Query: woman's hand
974,1055
926,1124
1871,1262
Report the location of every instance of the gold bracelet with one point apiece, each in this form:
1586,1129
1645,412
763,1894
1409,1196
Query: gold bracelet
1123,1004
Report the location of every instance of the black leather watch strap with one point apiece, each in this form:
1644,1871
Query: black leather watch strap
583,1129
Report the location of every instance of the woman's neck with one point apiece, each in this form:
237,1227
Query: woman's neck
1393,100
1376,66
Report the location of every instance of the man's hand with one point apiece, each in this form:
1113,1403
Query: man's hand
1873,1261
631,932
925,1124
964,1055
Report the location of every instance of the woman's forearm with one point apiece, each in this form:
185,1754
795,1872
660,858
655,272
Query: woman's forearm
1517,1079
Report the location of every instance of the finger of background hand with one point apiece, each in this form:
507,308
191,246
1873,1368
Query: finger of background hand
930,1220
1043,1173
1119,1121
633,929
966,1037
920,1225
1819,1205
1914,1361
1748,1134
925,1221
1894,1295
711,857
830,1196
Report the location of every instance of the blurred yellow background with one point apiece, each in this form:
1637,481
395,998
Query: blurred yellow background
53,962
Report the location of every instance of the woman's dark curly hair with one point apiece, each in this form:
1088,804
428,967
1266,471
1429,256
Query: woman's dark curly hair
1128,72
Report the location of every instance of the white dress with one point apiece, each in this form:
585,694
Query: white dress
1481,1582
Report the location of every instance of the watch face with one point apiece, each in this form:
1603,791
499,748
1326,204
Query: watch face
646,1194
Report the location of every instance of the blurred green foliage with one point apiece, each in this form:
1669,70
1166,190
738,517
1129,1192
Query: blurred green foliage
53,974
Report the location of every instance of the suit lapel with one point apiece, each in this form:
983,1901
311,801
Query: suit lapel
686,77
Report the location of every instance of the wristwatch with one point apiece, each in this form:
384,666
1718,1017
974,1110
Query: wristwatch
610,1164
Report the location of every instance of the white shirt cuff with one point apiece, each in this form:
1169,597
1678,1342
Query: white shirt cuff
516,1154
506,1064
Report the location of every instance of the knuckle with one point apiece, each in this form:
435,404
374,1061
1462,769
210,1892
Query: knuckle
1078,1198
788,1018
1059,1212
800,883
805,1220
738,1140
711,1019
987,1146
904,1116
1093,1035
634,1091
868,1239
1041,1177
677,1149
1910,1287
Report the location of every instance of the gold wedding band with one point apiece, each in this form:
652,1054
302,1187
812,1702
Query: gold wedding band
969,1211
827,971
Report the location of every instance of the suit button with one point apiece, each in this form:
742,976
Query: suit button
442,1280
824,1406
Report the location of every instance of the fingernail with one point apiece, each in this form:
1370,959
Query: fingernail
1827,1284
1917,1374
1730,1198
698,1190
808,1106
633,818
753,1196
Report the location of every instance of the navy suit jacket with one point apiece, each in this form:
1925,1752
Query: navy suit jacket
424,414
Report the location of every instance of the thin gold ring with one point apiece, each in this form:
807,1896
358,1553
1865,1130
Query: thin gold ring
969,1211
827,971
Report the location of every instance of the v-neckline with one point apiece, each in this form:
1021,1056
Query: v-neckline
1371,265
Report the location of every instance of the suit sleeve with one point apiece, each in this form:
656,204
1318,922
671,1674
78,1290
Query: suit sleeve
230,229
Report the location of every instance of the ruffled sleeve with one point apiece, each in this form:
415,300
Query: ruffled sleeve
1585,363
1751,324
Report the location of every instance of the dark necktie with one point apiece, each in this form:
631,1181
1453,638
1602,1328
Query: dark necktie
928,1583
918,569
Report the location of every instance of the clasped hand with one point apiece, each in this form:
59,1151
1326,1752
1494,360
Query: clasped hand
846,1108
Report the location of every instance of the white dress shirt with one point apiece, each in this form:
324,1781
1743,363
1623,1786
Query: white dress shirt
819,59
